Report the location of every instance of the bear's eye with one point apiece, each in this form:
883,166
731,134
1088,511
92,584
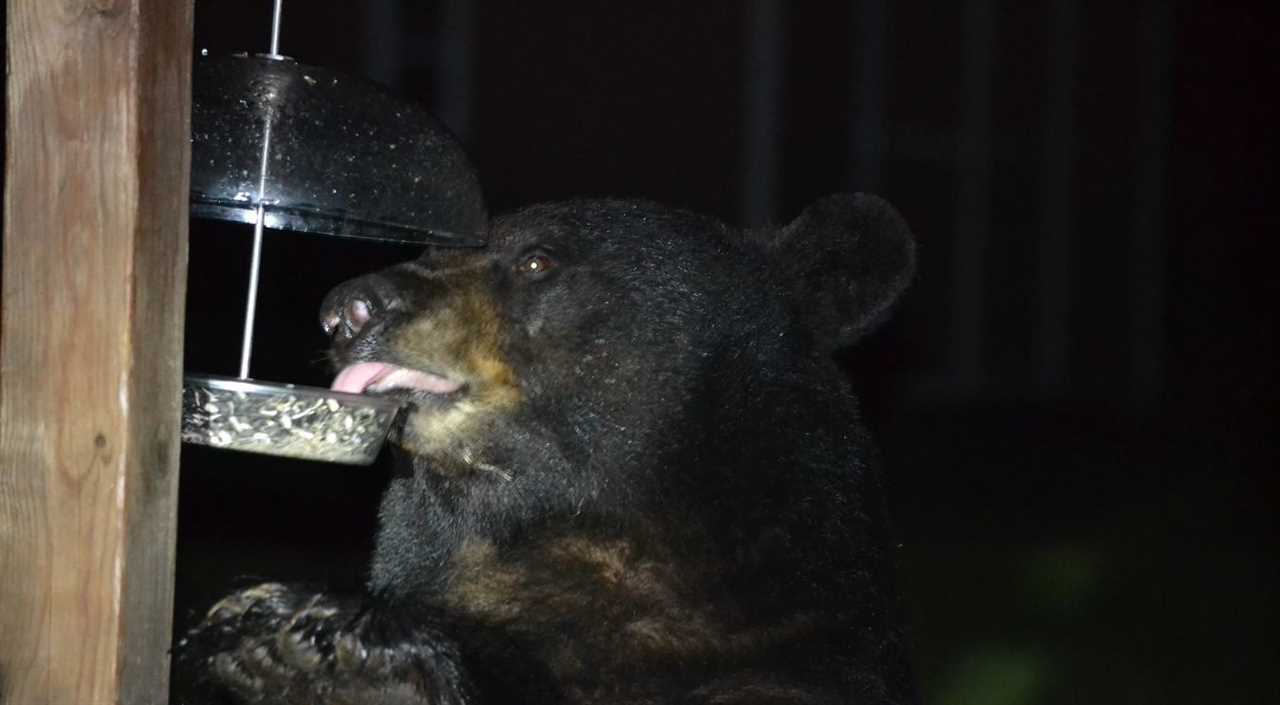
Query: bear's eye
535,264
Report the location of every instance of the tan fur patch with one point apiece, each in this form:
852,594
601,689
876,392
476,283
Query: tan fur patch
482,586
459,338
623,601
742,690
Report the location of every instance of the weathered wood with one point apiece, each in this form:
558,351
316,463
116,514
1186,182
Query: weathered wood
95,232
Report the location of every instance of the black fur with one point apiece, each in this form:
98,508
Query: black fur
670,498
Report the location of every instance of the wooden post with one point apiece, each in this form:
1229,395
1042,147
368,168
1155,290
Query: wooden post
95,247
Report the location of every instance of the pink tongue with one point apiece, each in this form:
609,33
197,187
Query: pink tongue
380,376
354,379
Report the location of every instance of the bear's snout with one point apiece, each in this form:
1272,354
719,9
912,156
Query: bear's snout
349,307
348,320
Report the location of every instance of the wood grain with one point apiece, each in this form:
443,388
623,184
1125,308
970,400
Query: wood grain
95,233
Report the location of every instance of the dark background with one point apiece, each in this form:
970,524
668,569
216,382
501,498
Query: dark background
1077,399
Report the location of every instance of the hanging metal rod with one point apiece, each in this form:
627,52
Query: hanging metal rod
251,305
275,28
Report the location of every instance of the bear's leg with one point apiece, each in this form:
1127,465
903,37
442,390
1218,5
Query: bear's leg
271,644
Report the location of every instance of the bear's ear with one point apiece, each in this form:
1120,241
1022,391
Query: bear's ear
843,262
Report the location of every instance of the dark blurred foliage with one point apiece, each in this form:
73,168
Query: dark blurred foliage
1077,401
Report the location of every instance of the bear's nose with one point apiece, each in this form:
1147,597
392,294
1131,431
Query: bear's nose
348,320
350,306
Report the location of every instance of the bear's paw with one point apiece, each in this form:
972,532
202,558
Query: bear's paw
270,644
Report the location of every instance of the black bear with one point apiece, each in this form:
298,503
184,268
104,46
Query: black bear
632,473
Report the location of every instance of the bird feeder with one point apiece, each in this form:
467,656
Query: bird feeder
283,146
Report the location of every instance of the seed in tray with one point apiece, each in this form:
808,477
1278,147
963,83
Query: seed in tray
310,428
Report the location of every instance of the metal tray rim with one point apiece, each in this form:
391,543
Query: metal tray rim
253,386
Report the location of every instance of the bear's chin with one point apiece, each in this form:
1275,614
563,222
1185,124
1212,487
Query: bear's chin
449,434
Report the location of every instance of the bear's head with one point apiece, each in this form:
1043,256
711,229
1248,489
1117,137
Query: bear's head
617,360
